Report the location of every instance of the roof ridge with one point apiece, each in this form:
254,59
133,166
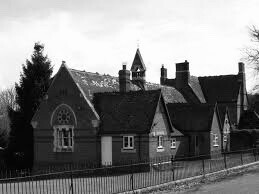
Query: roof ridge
97,73
211,76
130,92
92,73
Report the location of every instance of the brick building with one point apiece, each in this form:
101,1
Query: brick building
104,119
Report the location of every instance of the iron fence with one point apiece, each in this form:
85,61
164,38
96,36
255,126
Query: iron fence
120,178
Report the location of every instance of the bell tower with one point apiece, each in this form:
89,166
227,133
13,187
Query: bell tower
138,71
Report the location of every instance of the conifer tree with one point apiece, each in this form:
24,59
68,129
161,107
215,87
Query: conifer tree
33,84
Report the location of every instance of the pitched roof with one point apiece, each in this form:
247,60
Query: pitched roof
138,62
94,82
191,117
196,87
223,88
249,120
192,91
131,112
223,110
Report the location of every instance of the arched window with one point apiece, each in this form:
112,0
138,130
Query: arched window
63,121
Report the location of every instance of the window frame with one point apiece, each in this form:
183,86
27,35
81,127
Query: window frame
59,138
225,137
173,143
129,139
215,140
160,141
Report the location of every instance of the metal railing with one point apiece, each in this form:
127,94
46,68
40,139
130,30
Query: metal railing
120,178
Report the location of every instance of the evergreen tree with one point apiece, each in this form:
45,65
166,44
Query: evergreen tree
34,82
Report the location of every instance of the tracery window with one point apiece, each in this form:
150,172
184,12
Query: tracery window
64,116
63,125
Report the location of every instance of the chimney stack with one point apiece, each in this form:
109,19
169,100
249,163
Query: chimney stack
124,79
163,76
242,81
182,76
241,67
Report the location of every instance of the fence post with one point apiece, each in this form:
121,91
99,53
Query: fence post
172,161
225,160
71,180
242,158
254,154
132,181
203,166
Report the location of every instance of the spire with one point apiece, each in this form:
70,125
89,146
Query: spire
138,70
138,63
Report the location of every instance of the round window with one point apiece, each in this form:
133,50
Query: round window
64,116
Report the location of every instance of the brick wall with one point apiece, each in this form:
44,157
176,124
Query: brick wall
139,153
86,145
160,128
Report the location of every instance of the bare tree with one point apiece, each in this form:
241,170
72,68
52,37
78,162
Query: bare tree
7,101
252,52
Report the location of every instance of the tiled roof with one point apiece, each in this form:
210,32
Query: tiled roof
131,112
191,117
222,88
196,87
192,92
94,82
249,120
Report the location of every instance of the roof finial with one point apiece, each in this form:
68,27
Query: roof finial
138,43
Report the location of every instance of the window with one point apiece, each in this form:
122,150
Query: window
160,141
173,143
64,117
63,138
128,142
225,137
215,140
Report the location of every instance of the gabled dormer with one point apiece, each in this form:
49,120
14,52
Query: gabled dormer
138,70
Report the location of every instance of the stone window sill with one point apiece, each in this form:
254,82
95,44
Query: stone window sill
68,149
160,149
128,150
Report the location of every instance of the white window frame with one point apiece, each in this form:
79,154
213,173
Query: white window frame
160,142
59,139
173,143
215,140
129,139
225,137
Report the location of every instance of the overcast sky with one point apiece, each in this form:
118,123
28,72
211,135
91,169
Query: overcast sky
98,35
